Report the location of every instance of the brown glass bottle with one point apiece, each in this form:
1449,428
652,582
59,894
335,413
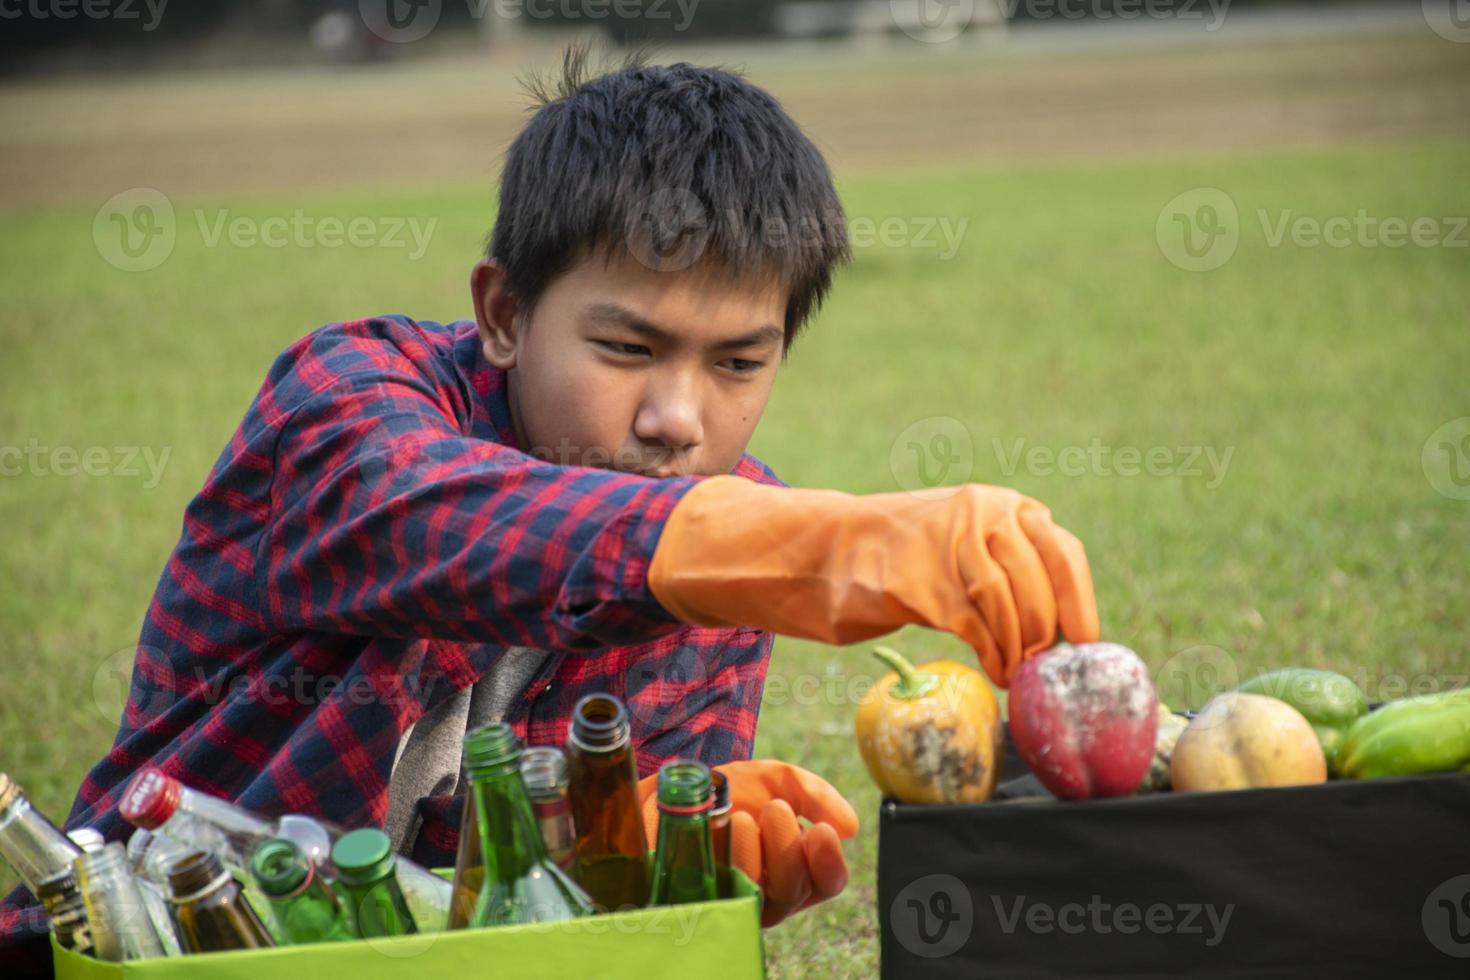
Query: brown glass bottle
210,909
611,863
719,830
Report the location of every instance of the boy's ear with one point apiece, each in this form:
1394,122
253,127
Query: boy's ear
495,313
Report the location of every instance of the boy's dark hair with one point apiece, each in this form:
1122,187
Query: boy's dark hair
673,165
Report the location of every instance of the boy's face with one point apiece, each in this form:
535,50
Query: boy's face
623,367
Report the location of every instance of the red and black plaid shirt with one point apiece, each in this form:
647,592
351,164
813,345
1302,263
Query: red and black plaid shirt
371,541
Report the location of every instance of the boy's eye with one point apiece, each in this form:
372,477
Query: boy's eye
629,350
742,366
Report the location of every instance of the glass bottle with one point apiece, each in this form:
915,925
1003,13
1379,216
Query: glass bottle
210,908
544,768
31,844
684,860
719,830
116,914
469,862
148,858
89,839
41,856
158,802
150,854
304,906
62,901
612,852
365,874
522,884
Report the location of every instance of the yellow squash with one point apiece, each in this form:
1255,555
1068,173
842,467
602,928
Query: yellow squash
930,734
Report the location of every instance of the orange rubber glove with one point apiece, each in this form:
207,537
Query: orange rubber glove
796,867
984,563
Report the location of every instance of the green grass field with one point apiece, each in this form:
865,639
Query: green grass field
1059,322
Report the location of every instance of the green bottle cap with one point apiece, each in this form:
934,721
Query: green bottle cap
684,785
363,856
279,866
492,749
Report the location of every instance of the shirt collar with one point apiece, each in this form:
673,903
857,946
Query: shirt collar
489,383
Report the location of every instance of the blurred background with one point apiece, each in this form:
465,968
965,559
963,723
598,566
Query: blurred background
1193,272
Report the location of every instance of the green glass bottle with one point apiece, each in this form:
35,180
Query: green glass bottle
304,906
684,861
469,863
522,884
365,874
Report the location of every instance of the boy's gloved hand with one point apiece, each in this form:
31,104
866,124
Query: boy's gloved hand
982,562
795,867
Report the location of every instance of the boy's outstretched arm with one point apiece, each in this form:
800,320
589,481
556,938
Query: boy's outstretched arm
984,563
387,519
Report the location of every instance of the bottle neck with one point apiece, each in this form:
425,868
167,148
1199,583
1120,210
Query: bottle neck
105,865
684,820
237,823
510,836
197,876
684,862
599,724
151,854
312,891
31,844
683,823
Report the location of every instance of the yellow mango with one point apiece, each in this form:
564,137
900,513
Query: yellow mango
1240,741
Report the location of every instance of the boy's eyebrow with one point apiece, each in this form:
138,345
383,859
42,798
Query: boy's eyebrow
625,317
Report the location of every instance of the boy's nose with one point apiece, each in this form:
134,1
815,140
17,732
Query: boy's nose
670,416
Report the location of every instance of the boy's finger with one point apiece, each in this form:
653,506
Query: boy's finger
745,846
788,881
825,861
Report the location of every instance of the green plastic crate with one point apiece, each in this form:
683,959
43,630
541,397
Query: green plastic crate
708,939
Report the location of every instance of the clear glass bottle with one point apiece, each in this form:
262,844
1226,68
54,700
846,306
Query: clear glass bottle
210,907
62,901
30,843
544,768
157,802
41,856
684,860
89,839
152,880
521,883
366,878
304,906
612,852
116,912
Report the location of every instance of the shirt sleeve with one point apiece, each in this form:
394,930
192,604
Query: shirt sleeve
387,520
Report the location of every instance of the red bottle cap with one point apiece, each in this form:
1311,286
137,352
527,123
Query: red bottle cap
150,799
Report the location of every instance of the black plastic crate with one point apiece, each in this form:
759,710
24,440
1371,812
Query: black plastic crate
1345,879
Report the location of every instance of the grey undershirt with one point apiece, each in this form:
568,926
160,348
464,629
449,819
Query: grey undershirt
427,761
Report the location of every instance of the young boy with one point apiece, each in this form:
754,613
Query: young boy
418,529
